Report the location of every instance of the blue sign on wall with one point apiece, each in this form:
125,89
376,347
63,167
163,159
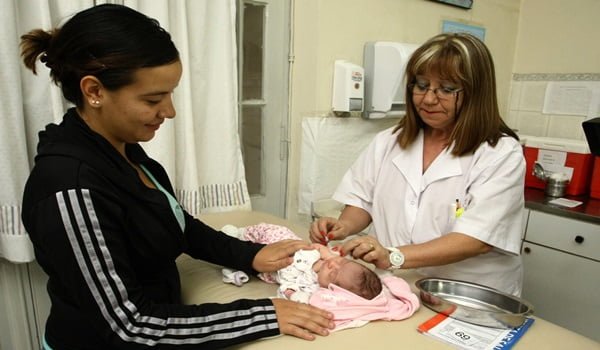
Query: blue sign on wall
457,27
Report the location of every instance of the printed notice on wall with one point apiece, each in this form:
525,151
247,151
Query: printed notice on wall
554,162
573,98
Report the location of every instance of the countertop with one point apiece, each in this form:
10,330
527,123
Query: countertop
589,210
201,282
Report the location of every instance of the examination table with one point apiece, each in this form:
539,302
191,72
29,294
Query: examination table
202,282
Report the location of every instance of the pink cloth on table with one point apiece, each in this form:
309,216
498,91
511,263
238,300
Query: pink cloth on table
395,302
268,233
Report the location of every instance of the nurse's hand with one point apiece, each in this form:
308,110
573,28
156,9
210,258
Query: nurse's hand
278,255
302,320
327,229
368,249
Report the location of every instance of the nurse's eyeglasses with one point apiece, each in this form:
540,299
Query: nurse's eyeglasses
442,92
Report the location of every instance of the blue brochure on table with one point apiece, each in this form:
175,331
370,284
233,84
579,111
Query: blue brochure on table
464,335
513,336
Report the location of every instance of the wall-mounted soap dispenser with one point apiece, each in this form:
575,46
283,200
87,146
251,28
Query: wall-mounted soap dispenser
348,87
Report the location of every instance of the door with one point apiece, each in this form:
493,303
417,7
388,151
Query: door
263,42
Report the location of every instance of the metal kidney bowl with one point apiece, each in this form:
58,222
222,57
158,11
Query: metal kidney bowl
473,303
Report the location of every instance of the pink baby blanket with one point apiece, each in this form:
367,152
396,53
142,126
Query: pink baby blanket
395,302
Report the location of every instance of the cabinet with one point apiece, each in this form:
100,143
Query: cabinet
561,259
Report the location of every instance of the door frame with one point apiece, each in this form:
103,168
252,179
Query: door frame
275,99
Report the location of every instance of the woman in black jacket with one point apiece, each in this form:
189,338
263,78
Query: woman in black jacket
102,215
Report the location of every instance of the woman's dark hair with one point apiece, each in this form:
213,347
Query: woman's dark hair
465,60
107,41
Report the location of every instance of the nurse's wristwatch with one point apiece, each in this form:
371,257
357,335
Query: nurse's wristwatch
396,258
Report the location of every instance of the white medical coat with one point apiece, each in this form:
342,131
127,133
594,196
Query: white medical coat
408,206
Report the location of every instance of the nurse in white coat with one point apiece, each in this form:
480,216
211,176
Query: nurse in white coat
443,189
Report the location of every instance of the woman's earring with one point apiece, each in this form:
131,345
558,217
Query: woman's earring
95,102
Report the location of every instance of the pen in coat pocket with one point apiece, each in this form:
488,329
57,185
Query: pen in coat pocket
459,209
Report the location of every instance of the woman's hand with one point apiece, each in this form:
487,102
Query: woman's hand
367,248
302,320
352,220
448,249
276,256
327,229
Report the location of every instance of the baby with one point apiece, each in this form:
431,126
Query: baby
320,267
310,269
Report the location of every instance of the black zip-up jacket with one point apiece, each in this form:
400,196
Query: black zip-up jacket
108,244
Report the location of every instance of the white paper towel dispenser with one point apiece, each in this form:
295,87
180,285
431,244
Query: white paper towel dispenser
384,65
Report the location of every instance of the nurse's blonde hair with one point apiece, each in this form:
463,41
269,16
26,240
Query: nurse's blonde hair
465,60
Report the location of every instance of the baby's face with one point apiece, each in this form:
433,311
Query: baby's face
339,271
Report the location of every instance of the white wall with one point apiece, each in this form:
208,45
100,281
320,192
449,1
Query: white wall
557,41
326,30
558,36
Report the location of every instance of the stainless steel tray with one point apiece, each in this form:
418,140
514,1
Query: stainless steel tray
473,303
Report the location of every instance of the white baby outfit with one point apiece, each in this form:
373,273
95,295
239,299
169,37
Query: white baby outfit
299,277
